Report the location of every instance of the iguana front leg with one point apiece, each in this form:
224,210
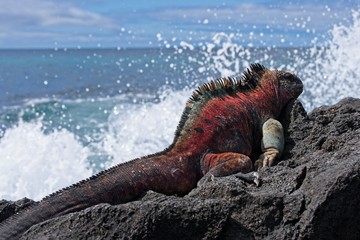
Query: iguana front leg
240,165
226,164
272,143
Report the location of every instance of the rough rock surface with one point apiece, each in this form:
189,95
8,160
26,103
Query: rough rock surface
313,193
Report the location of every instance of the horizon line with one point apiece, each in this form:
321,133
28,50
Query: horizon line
136,48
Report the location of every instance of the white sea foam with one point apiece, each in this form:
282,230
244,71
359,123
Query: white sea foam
34,164
138,130
331,72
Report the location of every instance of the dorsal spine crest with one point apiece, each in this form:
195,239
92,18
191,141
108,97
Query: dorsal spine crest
227,85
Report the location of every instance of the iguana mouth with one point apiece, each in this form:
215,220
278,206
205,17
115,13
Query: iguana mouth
291,82
298,86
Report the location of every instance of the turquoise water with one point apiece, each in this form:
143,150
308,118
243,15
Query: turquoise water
68,113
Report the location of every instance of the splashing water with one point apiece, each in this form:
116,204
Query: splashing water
33,159
331,71
223,56
138,130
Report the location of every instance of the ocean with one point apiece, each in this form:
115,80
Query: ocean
66,114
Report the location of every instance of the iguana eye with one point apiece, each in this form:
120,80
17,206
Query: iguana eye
288,75
285,75
290,82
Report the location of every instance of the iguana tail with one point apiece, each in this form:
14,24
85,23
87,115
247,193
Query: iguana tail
122,183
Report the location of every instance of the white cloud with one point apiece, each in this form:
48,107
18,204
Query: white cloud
41,23
41,13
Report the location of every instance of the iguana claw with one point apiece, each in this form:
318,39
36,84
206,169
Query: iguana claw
267,159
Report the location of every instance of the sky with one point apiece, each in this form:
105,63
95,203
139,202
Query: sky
159,23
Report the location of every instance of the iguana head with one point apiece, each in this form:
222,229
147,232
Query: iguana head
290,83
284,82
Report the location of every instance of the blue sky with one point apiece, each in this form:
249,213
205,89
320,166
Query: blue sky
152,23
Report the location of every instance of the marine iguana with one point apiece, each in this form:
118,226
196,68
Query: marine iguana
225,122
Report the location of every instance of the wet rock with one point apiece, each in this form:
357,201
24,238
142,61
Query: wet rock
313,193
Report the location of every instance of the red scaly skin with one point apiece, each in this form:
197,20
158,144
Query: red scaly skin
219,130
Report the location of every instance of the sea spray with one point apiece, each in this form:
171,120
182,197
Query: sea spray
330,71
34,164
138,130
